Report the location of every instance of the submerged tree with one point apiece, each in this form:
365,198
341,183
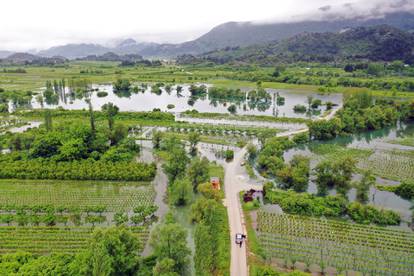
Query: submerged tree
170,241
335,174
156,139
362,188
198,172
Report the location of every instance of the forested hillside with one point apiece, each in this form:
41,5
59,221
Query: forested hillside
379,43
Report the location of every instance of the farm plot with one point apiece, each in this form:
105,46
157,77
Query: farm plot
345,246
35,214
45,240
223,130
115,196
406,141
396,165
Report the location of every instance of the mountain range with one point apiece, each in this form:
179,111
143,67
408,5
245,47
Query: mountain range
230,34
377,43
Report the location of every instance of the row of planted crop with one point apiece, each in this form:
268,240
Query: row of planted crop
332,248
69,200
346,237
286,236
311,251
309,226
215,129
142,214
45,240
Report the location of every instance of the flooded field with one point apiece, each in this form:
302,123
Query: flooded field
171,100
376,143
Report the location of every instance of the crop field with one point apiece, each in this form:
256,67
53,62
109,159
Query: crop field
406,141
345,246
223,130
396,165
112,195
59,216
44,240
334,151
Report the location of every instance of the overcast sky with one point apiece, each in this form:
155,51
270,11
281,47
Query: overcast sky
30,24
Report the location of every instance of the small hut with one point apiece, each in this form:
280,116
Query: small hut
215,182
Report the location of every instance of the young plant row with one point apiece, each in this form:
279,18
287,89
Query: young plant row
46,240
345,246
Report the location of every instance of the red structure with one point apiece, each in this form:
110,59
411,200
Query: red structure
215,182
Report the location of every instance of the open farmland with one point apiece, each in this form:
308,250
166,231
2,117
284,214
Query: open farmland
328,243
59,216
115,196
44,240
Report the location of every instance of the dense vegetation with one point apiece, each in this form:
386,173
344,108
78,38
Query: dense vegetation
360,113
111,251
380,43
75,152
330,206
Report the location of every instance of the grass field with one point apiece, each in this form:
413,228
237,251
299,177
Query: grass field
107,72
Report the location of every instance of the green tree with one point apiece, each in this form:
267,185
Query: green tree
45,145
91,116
72,149
121,247
118,134
251,152
180,192
110,110
156,139
176,163
170,241
165,267
336,174
198,172
362,188
310,100
120,218
232,109
48,120
194,139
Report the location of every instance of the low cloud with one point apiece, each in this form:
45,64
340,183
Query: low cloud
325,8
359,10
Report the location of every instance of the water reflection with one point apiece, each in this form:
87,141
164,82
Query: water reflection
273,103
374,140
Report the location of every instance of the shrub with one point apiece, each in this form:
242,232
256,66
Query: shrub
102,94
405,190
